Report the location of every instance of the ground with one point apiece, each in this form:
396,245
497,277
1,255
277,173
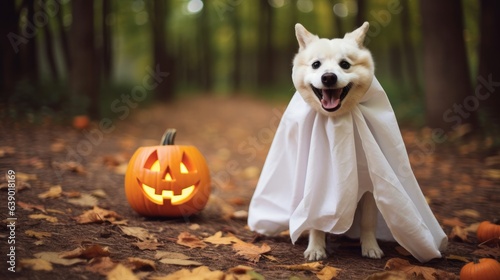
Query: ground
460,181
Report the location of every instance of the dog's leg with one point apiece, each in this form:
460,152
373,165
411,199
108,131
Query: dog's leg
369,245
316,249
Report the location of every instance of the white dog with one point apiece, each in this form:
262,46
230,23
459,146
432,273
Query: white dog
338,163
332,76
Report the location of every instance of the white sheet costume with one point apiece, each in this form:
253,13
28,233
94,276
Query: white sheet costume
318,168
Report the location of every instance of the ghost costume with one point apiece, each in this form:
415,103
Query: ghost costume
319,167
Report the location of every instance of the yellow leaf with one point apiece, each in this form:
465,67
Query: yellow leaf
189,240
88,252
53,257
219,240
53,192
458,233
249,251
138,263
426,273
180,262
170,255
43,217
38,234
121,272
36,264
199,273
312,266
138,232
327,273
458,258
98,215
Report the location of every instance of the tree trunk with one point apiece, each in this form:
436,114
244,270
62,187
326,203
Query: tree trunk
447,83
107,59
409,53
29,54
488,83
237,53
361,15
64,39
49,49
206,51
162,61
84,76
265,63
9,69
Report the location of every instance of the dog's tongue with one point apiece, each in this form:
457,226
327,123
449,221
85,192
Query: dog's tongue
331,98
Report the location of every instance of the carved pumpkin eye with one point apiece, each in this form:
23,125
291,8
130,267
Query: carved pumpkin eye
186,166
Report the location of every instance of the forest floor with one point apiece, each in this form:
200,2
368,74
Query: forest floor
74,222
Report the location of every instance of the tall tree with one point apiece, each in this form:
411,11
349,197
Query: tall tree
409,50
446,71
206,50
162,60
489,61
49,47
64,38
107,59
84,75
265,59
8,66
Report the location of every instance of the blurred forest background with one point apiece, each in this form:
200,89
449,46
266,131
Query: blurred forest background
437,60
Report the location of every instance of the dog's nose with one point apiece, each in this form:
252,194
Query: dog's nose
329,79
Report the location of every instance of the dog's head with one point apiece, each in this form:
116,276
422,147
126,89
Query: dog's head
332,75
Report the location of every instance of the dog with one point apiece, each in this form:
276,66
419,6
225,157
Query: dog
332,76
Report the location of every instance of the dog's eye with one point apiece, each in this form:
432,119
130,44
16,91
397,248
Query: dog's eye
344,64
316,64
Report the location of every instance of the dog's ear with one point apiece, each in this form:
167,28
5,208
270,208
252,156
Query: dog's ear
359,34
304,37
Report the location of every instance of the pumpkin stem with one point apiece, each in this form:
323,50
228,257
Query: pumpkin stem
168,137
475,259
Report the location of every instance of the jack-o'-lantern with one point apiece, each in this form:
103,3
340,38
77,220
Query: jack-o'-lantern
167,180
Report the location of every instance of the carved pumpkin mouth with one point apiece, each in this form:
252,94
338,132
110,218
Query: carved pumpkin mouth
186,194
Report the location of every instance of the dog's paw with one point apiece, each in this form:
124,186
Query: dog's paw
372,251
315,254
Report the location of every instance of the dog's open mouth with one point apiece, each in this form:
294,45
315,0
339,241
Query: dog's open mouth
331,98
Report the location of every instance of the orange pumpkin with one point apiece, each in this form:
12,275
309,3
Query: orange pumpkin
488,231
81,121
485,269
167,180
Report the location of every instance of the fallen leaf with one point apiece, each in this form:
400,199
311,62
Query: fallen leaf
100,193
53,257
457,258
453,222
388,275
194,227
458,234
327,273
86,252
31,207
138,232
249,251
189,240
71,166
72,194
98,215
53,192
84,200
43,217
36,264
38,234
26,177
427,273
58,146
492,173
138,263
6,150
147,245
468,213
121,272
170,255
312,266
199,273
101,265
240,269
241,214
180,262
219,240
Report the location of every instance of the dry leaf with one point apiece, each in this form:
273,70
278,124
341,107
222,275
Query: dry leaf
241,214
327,273
138,263
170,255
492,173
180,262
53,257
219,240
87,252
121,272
468,213
240,269
72,194
453,222
6,150
199,273
457,258
84,200
58,146
101,265
97,215
249,251
25,176
100,193
194,227
388,275
427,273
147,245
72,166
189,240
36,264
31,207
138,232
312,266
43,217
458,234
38,234
53,192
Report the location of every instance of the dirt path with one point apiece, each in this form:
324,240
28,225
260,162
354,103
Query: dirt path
234,135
